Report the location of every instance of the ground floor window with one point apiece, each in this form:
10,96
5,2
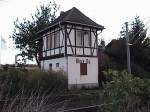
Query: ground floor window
50,67
83,68
57,64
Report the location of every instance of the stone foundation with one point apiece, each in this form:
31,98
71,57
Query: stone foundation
80,86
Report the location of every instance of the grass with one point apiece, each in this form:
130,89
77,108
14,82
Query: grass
37,102
40,91
14,81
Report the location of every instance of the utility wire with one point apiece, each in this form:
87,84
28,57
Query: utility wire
140,31
138,38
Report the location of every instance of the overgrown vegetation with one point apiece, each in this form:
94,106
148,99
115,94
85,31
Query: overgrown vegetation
121,92
125,93
139,49
14,82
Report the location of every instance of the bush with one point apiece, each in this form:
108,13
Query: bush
14,81
125,93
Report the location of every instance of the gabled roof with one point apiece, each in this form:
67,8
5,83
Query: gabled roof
74,16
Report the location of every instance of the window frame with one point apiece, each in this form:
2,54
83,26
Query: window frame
57,65
79,39
87,40
57,39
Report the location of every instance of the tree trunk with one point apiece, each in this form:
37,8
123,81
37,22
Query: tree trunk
38,62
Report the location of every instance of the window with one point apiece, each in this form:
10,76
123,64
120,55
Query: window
48,42
57,41
45,42
83,68
83,36
79,39
57,64
87,41
50,67
52,40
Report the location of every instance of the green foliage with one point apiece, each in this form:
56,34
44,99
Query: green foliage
14,81
25,32
125,93
139,49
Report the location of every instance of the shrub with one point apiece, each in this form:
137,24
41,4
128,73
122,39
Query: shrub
125,93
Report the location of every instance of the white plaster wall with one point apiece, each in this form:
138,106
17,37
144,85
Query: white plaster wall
87,51
62,64
69,50
79,51
52,52
74,76
48,53
57,51
95,52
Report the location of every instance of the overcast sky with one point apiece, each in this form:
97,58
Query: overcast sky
112,14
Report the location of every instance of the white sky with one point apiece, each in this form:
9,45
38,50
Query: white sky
112,14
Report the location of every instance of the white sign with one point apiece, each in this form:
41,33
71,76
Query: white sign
83,61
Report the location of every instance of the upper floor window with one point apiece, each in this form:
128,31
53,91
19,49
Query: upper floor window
83,38
48,41
52,40
87,39
79,38
57,39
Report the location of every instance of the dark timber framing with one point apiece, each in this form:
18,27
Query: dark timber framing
59,43
75,38
95,42
65,42
68,33
90,42
54,41
82,34
64,30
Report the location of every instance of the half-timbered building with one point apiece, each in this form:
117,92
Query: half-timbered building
70,44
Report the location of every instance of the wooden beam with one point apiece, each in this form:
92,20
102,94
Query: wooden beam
95,39
75,39
52,57
65,40
68,33
62,38
91,42
82,36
